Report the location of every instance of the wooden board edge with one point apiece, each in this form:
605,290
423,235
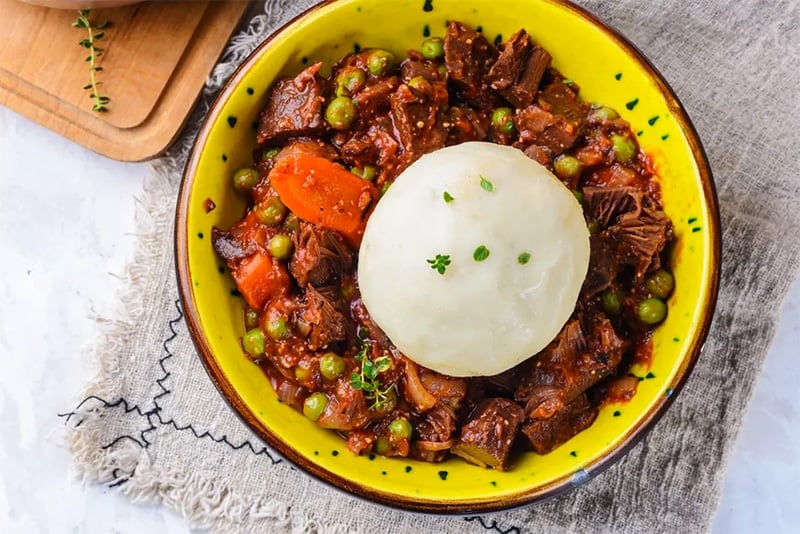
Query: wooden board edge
153,136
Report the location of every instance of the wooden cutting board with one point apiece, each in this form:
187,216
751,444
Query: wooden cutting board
155,61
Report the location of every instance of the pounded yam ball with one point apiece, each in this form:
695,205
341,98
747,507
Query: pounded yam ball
473,260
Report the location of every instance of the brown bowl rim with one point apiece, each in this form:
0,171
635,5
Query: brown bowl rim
461,506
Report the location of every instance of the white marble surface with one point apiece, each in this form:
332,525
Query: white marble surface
66,216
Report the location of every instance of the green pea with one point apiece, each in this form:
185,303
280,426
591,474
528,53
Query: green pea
280,246
611,303
331,365
441,70
367,173
278,329
578,194
567,167
419,83
652,311
348,81
270,153
660,283
340,113
250,318
601,113
253,342
292,223
314,405
302,374
245,179
270,212
382,445
432,48
594,227
503,120
348,290
624,149
379,62
400,428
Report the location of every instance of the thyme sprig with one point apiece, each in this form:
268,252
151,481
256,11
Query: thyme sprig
367,378
95,52
439,263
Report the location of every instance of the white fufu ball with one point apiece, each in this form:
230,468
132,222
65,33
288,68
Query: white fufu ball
458,315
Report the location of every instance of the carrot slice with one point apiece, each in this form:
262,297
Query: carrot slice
260,277
324,193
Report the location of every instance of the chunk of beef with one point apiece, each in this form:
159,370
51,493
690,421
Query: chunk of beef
376,145
434,434
381,136
359,151
306,147
512,60
605,204
374,98
551,133
488,435
446,389
361,315
518,70
523,92
229,247
320,257
560,99
327,324
294,108
547,434
637,231
568,366
641,237
418,68
538,154
418,124
603,265
468,57
504,383
466,124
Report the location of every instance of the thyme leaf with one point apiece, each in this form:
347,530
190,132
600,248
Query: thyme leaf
439,263
366,379
481,253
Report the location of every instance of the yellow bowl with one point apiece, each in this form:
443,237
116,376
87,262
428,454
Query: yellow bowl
609,70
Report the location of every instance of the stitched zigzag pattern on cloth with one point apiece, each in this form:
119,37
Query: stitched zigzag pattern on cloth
153,426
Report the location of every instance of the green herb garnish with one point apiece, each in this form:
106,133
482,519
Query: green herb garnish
524,258
447,197
94,53
367,378
481,253
439,263
486,184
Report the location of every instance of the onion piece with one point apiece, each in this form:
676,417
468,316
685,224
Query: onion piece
415,392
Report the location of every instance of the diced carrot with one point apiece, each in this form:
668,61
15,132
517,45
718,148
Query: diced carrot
260,277
324,193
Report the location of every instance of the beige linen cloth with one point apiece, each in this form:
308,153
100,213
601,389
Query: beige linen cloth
153,426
